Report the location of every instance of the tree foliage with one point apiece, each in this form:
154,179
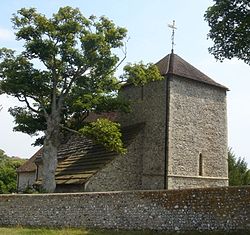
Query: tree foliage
229,22
238,172
77,65
105,132
8,175
140,74
65,71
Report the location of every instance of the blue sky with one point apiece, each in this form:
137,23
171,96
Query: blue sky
150,40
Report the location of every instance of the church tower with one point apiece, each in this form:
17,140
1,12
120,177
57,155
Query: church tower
184,143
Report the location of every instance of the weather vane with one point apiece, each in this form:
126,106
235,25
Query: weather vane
173,27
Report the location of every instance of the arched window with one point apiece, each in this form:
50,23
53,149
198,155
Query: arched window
200,165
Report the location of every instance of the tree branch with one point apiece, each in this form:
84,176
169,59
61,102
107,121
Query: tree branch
118,65
66,90
54,87
69,129
27,103
81,70
41,104
124,57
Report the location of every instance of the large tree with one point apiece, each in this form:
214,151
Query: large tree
229,22
65,71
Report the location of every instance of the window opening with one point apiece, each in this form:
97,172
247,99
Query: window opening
200,165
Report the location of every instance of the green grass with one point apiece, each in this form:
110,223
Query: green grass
71,231
43,231
40,231
67,231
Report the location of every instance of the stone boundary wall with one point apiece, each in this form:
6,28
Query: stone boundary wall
221,209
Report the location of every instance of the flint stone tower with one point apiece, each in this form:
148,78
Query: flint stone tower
184,142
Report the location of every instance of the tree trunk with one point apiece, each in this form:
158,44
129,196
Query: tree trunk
49,157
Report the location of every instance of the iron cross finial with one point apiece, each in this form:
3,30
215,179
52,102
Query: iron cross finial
173,27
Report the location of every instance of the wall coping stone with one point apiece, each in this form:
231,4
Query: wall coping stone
226,188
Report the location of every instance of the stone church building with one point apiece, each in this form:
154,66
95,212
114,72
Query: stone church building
176,137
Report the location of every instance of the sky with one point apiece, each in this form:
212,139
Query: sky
149,40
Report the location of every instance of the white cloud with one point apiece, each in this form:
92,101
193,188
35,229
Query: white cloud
6,34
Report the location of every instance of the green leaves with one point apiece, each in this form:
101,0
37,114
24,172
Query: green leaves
67,70
105,132
67,63
238,172
27,122
229,22
8,173
140,74
20,78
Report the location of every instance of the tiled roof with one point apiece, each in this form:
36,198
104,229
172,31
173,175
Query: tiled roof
30,166
112,116
86,160
174,64
80,158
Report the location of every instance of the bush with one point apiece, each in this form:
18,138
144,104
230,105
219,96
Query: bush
8,175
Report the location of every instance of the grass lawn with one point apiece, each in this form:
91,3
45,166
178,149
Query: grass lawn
44,231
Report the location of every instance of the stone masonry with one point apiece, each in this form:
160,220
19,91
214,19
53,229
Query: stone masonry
207,209
123,173
198,127
26,180
149,106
